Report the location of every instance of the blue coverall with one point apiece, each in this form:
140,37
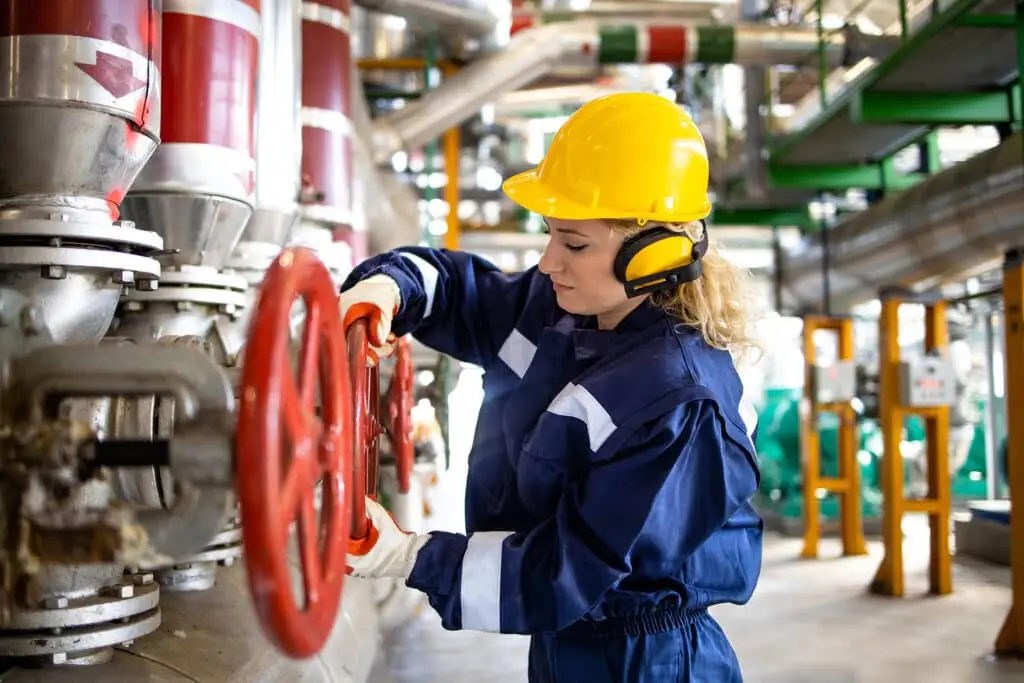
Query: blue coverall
608,500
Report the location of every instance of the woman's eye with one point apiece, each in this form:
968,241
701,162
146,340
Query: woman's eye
575,247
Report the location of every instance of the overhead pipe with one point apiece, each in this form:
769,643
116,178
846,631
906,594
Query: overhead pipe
956,224
535,51
465,16
526,14
746,44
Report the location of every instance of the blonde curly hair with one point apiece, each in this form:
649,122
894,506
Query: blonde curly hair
721,303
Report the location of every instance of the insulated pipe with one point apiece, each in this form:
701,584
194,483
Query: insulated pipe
197,190
674,43
525,11
278,152
955,224
79,100
326,120
471,18
587,44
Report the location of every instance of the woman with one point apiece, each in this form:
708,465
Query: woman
608,501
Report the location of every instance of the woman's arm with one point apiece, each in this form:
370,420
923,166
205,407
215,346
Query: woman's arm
676,481
457,303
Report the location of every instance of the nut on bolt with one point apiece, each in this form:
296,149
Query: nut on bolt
54,272
121,591
146,285
123,277
55,602
142,579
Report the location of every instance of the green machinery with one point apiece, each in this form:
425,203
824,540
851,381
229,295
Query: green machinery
778,445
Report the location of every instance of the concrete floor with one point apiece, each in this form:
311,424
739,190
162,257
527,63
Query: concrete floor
809,621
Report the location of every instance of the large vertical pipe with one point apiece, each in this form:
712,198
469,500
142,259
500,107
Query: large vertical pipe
278,161
79,99
197,190
326,121
278,134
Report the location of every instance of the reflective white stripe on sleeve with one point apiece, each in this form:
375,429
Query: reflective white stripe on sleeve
481,581
575,401
430,276
517,353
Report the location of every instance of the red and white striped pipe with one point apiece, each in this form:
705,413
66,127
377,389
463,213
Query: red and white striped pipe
210,59
327,128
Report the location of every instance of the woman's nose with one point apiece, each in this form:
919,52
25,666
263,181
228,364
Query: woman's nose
549,262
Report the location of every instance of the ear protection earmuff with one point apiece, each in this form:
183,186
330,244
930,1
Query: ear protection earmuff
658,259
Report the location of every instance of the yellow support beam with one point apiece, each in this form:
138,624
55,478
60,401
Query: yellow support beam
888,579
452,196
407,64
847,484
1010,642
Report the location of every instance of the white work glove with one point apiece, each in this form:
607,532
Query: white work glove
375,299
387,550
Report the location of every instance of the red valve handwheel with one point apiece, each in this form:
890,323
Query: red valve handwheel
283,449
400,401
366,426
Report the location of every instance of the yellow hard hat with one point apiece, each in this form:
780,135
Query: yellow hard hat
627,155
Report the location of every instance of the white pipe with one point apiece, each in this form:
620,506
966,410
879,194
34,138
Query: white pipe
464,17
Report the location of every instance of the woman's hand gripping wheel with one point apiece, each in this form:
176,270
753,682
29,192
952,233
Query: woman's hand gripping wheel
387,551
375,300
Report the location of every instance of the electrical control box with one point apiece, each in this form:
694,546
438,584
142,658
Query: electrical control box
834,383
927,382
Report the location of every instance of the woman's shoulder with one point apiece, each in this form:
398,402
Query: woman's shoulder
640,375
662,373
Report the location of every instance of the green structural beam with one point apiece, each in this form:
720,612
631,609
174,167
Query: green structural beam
836,178
797,217
934,108
840,105
987,21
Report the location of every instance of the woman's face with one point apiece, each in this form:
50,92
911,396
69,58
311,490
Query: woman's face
579,259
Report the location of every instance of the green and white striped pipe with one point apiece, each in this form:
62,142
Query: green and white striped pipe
748,44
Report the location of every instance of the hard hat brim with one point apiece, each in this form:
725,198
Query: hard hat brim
528,191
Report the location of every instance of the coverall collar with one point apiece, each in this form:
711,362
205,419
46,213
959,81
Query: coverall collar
591,343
